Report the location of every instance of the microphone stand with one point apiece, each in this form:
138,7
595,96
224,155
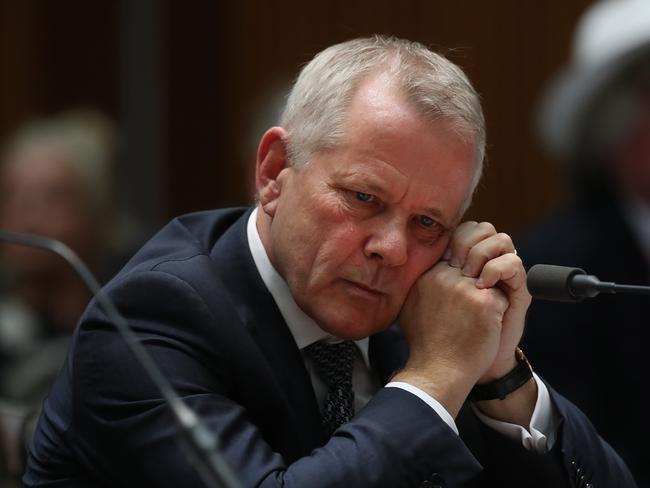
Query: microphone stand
566,284
590,286
203,444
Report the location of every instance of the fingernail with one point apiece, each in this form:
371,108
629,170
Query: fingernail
466,272
455,262
480,283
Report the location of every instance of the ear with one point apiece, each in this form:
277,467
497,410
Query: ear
271,160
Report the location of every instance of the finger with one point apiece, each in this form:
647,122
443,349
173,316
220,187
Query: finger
443,275
485,250
506,270
466,236
500,300
507,274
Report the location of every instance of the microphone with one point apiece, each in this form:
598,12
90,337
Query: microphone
200,441
565,284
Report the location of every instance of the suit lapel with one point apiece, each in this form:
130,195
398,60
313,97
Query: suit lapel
260,314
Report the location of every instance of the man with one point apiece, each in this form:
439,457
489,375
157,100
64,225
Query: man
361,191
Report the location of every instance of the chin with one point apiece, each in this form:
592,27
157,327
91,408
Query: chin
353,326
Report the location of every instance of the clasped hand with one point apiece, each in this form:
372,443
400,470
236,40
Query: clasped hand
464,317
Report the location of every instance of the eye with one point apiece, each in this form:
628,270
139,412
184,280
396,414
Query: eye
360,203
364,197
425,221
427,229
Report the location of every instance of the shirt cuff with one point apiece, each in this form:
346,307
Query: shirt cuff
429,400
541,434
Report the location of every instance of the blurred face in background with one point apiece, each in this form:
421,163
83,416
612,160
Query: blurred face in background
632,155
40,193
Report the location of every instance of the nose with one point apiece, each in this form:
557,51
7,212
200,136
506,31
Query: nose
388,243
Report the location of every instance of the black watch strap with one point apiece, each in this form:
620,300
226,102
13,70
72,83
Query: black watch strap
505,385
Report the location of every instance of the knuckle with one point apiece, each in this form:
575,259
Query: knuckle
504,238
468,224
487,228
481,251
438,269
512,262
437,276
479,299
496,301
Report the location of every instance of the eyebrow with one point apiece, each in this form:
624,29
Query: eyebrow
367,181
371,185
435,212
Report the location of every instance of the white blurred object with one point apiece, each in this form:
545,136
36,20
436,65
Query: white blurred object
611,36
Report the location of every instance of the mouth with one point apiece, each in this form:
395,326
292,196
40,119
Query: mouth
362,290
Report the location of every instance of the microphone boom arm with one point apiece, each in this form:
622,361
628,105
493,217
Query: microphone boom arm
561,283
202,442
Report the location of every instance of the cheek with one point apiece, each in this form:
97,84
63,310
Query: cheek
333,227
338,244
313,242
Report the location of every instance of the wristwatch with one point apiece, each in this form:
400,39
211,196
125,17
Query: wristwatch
505,385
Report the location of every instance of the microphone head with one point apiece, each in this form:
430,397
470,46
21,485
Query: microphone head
550,282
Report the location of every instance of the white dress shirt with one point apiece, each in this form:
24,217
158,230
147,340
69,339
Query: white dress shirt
538,438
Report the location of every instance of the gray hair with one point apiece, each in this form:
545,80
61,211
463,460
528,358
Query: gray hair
314,116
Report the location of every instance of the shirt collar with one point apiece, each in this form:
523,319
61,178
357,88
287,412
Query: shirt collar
304,329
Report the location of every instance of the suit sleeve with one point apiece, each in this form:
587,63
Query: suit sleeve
588,458
580,458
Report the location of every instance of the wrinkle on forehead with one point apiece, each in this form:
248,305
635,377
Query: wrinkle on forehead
390,144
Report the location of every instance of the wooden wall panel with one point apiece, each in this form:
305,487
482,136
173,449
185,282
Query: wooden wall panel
223,60
19,45
509,49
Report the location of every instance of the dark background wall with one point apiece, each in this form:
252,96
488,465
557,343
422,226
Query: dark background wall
185,80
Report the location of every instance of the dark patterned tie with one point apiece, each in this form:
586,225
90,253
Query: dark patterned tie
334,363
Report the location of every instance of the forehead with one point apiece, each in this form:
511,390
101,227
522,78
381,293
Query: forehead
38,163
392,148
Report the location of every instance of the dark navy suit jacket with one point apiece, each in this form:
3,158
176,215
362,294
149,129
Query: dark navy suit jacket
599,345
196,302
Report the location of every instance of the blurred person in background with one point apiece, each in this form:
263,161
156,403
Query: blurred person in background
56,180
596,119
